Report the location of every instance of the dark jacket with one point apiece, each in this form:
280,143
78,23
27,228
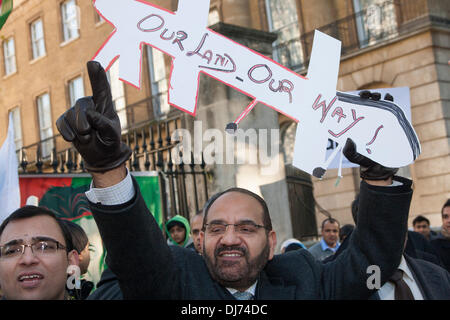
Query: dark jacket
152,270
442,246
433,281
417,246
107,288
84,291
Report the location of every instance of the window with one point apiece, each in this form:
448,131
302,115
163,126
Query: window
69,17
17,128
376,20
76,90
9,55
45,124
37,39
118,94
283,20
159,82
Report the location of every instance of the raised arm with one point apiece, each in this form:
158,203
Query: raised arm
379,237
136,249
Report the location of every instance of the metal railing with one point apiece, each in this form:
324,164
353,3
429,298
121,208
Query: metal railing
373,25
183,186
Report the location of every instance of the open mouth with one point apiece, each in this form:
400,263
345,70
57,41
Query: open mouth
227,255
231,255
30,280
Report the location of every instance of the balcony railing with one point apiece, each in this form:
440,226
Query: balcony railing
183,186
373,25
147,138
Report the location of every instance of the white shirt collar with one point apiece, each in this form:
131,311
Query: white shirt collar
404,267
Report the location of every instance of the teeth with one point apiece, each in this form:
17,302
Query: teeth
232,255
34,276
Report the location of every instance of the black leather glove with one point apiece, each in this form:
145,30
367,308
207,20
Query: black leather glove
369,169
93,126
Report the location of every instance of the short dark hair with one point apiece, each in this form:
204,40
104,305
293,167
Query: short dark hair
330,220
419,219
174,223
79,238
266,216
446,204
345,230
33,211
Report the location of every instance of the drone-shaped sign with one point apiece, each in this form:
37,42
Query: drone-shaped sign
377,127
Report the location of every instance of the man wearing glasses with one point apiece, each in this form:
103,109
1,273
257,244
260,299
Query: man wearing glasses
35,253
238,241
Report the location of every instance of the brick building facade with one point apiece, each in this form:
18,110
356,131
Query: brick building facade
397,43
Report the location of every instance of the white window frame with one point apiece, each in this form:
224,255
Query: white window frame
76,90
373,23
118,94
17,127
45,123
293,46
159,82
9,55
70,24
37,44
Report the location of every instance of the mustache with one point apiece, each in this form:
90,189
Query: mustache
230,248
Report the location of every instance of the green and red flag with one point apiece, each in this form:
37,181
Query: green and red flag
6,7
64,194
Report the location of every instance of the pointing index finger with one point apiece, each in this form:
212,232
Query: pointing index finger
101,91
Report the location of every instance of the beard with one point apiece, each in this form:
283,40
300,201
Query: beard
236,274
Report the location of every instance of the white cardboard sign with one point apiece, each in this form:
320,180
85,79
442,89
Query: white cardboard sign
402,99
311,101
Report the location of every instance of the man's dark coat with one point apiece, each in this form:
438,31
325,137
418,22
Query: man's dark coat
148,269
433,281
442,246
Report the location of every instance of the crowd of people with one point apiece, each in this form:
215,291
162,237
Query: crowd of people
227,252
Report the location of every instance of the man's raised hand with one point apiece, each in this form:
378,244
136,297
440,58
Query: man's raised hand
369,169
92,125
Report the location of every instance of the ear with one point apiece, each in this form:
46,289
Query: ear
202,237
73,258
272,237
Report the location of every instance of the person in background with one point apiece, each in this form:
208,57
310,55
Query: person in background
108,288
442,241
35,253
178,230
291,245
416,246
196,227
415,279
329,243
81,245
422,225
345,231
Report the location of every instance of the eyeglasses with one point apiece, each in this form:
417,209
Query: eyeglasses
39,249
244,228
